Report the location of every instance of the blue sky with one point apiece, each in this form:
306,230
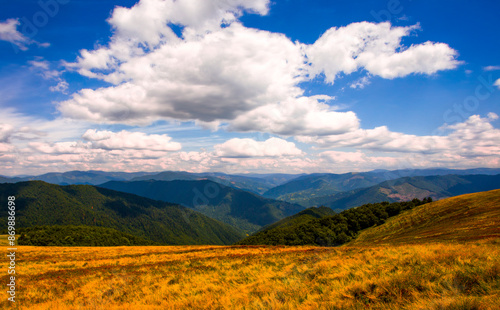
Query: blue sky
248,86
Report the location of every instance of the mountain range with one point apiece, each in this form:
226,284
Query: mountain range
243,210
39,203
407,188
175,207
304,188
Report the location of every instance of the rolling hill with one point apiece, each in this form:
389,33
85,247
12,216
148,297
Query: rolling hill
311,186
402,189
39,203
323,229
462,218
243,210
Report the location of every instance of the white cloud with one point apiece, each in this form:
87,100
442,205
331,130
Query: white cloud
273,147
29,127
475,137
473,143
361,83
125,140
198,15
221,74
6,131
61,87
213,78
491,68
497,83
380,139
297,116
155,17
60,147
9,33
376,48
42,68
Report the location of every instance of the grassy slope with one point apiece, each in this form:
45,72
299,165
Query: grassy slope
466,217
410,277
40,203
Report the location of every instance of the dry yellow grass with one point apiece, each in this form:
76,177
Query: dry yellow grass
462,218
431,276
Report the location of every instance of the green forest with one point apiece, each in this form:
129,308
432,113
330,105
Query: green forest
331,230
69,235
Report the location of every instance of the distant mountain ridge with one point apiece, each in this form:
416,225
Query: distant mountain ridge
91,177
437,187
274,185
255,183
244,210
306,187
39,203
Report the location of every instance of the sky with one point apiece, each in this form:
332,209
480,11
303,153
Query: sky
248,86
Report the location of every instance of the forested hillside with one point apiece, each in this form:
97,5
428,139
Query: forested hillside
331,230
39,203
245,211
69,235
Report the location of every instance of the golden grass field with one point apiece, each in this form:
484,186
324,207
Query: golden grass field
463,218
430,276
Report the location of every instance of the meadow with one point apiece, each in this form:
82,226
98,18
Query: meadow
417,276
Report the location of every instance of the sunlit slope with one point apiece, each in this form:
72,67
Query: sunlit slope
433,276
461,218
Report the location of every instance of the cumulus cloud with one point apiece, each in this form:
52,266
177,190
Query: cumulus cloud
472,143
218,73
125,140
474,137
376,48
156,18
217,77
273,147
380,139
297,116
